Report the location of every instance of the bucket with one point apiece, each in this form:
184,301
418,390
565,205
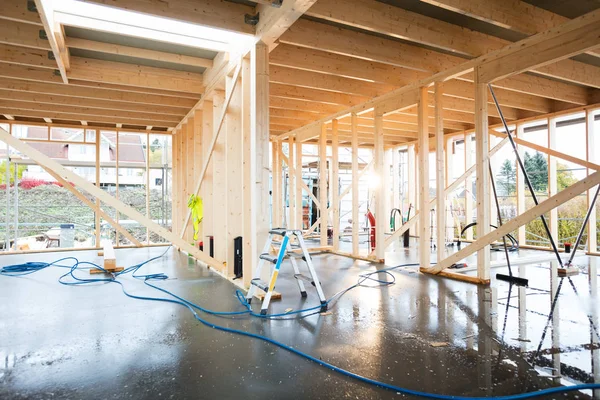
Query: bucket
567,247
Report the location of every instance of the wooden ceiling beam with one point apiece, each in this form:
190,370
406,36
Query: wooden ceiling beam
88,69
23,34
169,120
293,114
59,100
117,49
516,15
26,56
394,21
301,105
349,67
316,95
168,102
90,119
18,10
315,80
212,13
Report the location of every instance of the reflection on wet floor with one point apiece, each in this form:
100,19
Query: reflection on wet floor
424,333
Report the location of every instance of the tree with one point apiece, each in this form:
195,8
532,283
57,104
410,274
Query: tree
20,170
537,169
564,176
507,178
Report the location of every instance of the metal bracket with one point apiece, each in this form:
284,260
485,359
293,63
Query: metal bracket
51,56
31,6
277,3
251,19
43,34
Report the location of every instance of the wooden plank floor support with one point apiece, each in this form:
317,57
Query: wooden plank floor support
482,161
335,186
545,206
323,185
105,197
380,191
440,210
355,204
424,214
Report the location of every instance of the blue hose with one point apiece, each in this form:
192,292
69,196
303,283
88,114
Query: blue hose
31,267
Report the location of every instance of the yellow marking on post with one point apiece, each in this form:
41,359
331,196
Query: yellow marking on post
273,279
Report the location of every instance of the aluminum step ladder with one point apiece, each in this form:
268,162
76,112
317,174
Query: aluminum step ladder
277,261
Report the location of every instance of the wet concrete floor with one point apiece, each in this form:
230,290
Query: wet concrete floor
424,333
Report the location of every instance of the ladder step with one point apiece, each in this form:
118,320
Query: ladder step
278,231
268,257
304,278
259,284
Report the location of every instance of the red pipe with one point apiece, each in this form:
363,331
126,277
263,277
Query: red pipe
372,222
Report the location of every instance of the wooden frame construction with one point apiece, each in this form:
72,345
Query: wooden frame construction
311,114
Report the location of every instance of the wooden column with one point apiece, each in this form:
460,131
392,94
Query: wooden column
249,249
468,187
98,222
298,186
380,192
219,161
440,211
206,189
482,160
235,179
387,184
355,204
198,159
411,162
520,187
175,183
335,187
276,168
291,221
260,133
592,157
552,179
424,215
396,179
189,176
323,184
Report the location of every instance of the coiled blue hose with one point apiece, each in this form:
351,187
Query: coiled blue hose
31,267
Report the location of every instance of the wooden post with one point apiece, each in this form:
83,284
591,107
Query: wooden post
355,204
387,183
299,205
520,188
424,215
468,187
174,183
335,187
206,189
482,160
189,175
396,179
276,168
260,133
198,160
249,247
592,157
323,184
411,163
97,219
291,221
552,179
440,211
380,192
219,161
235,180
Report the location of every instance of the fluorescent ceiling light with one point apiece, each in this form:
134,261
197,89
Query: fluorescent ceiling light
131,23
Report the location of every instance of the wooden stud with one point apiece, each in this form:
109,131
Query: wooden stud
482,161
380,191
206,188
323,185
440,211
249,247
552,178
219,179
334,186
591,156
291,186
234,155
468,185
424,214
520,186
277,184
298,186
355,188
